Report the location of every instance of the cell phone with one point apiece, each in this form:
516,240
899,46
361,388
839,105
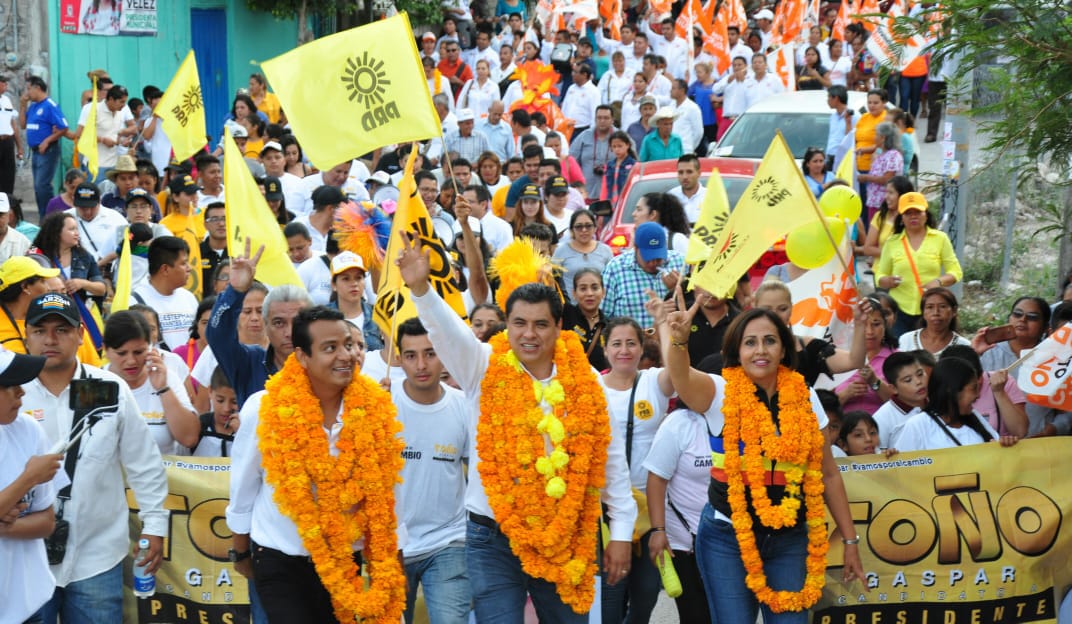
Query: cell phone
1001,333
89,394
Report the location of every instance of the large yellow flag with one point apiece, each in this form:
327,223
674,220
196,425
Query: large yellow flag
393,303
123,276
248,215
182,111
87,143
713,215
777,201
350,93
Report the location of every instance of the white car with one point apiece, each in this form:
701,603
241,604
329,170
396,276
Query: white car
802,116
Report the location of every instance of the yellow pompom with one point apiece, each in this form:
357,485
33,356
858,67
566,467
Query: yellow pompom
559,458
556,487
545,467
537,389
556,430
518,264
553,393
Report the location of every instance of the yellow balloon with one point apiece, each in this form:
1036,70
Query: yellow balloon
809,247
841,202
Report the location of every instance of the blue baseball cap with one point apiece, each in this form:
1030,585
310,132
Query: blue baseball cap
650,240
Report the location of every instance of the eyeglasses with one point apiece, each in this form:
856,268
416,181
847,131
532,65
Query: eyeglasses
584,226
1033,317
215,219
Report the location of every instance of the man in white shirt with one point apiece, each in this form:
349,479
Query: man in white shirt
338,176
581,99
658,84
275,165
628,33
534,312
688,191
10,141
616,83
732,88
267,545
117,452
688,120
96,224
765,23
435,426
669,46
442,221
169,267
634,55
320,221
736,46
115,127
12,242
498,133
763,84
496,231
482,52
210,179
428,47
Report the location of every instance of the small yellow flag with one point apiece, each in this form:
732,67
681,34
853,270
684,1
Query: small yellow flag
847,169
248,215
123,276
713,215
393,303
87,143
182,111
350,93
776,202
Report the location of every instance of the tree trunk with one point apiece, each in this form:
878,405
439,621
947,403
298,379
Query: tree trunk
303,26
1064,261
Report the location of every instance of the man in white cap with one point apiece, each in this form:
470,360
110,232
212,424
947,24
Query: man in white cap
380,188
275,165
12,241
428,47
466,142
663,143
765,21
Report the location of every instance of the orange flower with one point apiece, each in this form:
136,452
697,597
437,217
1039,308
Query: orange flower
796,441
553,536
335,501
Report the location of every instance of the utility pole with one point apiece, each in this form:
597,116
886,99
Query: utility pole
956,165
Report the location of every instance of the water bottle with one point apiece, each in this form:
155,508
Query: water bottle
671,583
145,583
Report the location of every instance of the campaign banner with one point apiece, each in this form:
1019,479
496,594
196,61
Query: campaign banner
956,536
196,583
108,17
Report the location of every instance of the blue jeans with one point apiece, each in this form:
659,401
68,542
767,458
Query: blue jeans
633,599
446,586
256,609
911,88
723,573
499,584
94,600
44,174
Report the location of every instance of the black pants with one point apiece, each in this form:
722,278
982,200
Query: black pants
7,165
692,603
290,589
936,94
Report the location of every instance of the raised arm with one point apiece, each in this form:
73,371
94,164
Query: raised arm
696,389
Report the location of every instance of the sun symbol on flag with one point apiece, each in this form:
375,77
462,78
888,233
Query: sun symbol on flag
191,99
365,79
764,189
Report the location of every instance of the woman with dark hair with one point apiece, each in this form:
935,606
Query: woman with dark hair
484,317
17,221
583,249
585,317
160,394
637,401
949,420
192,350
865,135
667,211
881,225
65,200
867,388
1030,321
292,152
758,388
815,174
59,241
938,325
265,101
529,210
812,76
915,258
256,127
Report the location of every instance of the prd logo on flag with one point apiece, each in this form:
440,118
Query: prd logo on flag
366,80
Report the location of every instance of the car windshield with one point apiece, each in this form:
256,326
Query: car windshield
734,189
751,135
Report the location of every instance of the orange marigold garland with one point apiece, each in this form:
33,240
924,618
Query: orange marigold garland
800,442
552,532
354,491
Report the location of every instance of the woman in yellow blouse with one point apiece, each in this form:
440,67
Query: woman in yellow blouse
881,226
915,258
266,102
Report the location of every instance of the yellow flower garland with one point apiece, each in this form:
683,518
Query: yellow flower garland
354,491
800,442
548,505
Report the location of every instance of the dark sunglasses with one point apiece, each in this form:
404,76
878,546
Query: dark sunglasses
1034,317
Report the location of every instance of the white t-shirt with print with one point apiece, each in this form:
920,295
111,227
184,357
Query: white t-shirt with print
923,433
681,454
176,312
649,410
152,410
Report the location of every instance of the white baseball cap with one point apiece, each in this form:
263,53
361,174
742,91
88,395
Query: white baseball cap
345,261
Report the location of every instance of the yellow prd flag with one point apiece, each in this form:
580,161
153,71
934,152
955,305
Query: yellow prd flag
248,216
777,201
393,303
87,143
350,93
847,168
123,276
713,215
182,111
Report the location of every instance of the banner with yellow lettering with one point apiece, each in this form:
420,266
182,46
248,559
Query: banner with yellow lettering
968,535
196,584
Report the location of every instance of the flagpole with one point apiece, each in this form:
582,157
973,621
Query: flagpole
1020,361
394,317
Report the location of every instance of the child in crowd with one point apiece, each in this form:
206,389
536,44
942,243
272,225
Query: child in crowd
1000,402
219,426
858,434
904,371
832,407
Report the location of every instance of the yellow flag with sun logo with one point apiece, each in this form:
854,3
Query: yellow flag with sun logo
182,111
355,91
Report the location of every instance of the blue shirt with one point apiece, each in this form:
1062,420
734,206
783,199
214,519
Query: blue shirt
500,138
246,366
41,119
701,94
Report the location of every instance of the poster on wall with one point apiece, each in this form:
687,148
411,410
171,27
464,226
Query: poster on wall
108,17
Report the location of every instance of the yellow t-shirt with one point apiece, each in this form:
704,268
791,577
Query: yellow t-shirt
270,106
886,230
865,137
254,147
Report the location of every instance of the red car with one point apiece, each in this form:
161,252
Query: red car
659,176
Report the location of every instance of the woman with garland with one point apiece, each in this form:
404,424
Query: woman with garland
638,401
757,412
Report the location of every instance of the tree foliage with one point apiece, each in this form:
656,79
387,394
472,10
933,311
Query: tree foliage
1020,51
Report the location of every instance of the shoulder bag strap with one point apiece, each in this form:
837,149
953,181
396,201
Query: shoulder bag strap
912,262
595,340
629,424
945,428
680,516
70,461
88,237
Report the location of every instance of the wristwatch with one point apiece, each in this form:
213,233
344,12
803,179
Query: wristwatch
876,384
234,556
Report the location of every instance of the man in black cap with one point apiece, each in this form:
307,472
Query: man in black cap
27,491
89,579
319,221
96,224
